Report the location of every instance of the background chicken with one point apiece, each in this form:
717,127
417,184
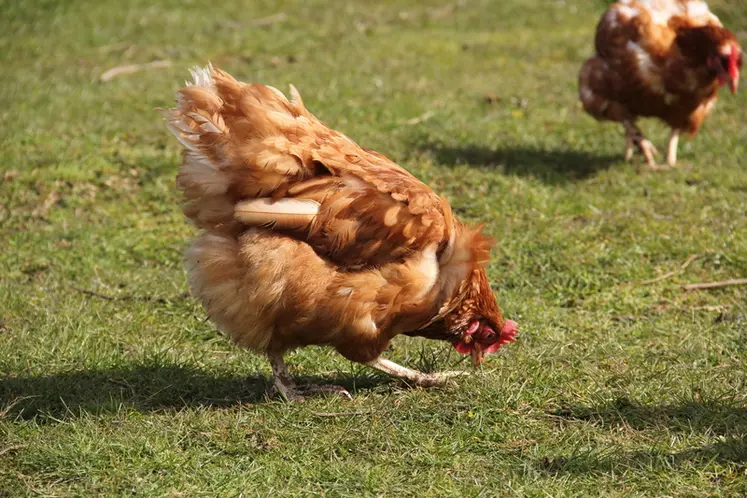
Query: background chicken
658,58
309,239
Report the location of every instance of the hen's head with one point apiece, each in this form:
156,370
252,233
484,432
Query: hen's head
477,325
726,64
715,49
470,319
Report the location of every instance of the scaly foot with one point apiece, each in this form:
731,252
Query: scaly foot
287,392
649,152
413,377
438,379
282,383
326,389
634,137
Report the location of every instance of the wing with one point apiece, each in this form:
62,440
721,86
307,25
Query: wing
281,168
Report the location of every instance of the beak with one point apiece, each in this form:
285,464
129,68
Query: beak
477,354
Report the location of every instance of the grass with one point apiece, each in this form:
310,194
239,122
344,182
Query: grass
616,387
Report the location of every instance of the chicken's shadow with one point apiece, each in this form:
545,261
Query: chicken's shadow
727,421
553,166
145,388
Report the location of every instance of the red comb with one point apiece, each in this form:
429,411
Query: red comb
509,332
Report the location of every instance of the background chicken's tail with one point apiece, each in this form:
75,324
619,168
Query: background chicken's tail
241,141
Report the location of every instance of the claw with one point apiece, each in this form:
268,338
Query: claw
286,392
299,394
649,152
327,389
634,137
437,379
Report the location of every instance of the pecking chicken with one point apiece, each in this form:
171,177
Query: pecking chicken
658,58
308,239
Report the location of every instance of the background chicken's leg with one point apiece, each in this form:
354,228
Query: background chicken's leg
674,139
410,376
633,135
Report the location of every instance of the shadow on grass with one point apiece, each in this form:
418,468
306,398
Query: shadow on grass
145,388
552,166
715,417
729,451
727,421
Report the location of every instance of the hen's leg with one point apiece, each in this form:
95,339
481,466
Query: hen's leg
412,377
281,378
628,147
288,389
674,139
634,136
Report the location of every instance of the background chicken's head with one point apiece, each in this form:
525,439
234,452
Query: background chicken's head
716,49
727,64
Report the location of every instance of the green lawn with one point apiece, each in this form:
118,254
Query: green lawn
617,386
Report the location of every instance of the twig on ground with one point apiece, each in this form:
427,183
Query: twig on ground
270,20
420,119
26,479
111,47
342,414
13,403
128,297
721,308
714,285
667,275
11,448
112,73
52,198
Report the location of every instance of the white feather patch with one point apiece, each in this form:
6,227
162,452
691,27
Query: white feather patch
283,213
628,12
428,267
662,10
610,18
646,67
586,94
201,76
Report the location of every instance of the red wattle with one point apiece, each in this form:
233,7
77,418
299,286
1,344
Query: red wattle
463,347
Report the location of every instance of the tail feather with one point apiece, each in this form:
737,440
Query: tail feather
240,140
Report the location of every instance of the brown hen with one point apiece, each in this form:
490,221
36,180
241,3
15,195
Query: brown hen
658,58
308,239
